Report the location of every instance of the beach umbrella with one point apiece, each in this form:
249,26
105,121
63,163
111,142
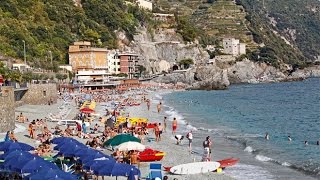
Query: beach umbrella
91,157
15,154
14,164
131,145
132,175
46,173
66,145
70,151
9,146
58,140
84,152
35,164
103,169
122,169
119,139
96,164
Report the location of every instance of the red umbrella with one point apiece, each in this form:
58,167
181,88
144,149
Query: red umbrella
87,110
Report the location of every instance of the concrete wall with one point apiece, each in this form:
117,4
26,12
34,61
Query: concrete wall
7,106
40,94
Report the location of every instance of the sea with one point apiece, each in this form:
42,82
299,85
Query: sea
238,119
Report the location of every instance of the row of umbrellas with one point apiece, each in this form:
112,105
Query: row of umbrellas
99,163
17,159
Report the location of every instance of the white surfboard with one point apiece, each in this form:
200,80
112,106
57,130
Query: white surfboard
195,168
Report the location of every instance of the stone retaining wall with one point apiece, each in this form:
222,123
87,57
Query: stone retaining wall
7,106
38,94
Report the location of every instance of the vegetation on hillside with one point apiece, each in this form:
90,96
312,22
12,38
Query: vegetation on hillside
297,21
52,25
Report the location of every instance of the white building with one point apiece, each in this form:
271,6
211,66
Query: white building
233,46
92,76
66,67
145,4
113,62
20,67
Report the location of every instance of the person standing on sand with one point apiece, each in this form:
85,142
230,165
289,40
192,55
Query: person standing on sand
190,137
159,107
207,144
148,104
157,132
165,124
174,126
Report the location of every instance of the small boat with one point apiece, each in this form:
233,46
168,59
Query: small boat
150,155
228,162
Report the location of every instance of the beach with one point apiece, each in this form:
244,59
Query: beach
175,154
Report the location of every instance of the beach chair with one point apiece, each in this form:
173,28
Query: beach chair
155,171
67,168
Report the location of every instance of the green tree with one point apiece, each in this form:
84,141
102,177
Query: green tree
186,63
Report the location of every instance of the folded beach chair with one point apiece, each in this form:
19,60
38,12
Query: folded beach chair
155,171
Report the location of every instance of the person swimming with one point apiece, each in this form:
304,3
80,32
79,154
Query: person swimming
267,137
306,143
318,142
289,138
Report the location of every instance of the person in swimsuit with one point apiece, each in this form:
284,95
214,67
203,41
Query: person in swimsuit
174,125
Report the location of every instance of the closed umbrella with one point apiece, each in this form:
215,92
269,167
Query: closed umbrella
131,145
121,138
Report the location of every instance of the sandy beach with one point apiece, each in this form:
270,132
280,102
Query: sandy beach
175,154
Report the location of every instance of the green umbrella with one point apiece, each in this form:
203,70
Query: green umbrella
121,138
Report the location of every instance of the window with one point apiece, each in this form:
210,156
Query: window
118,63
44,93
118,69
114,63
114,69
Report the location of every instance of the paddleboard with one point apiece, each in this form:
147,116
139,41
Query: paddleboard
195,168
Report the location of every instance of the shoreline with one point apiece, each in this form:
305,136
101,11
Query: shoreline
249,158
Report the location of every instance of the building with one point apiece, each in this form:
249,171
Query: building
233,46
92,77
113,62
66,67
20,67
145,4
129,64
84,57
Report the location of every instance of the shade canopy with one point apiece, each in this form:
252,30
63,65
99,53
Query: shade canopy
131,145
121,138
10,146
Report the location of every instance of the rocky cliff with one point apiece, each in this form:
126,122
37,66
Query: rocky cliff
164,49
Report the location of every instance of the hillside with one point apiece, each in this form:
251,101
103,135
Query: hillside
281,31
298,22
52,25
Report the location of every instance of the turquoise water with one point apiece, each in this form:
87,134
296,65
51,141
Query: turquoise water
244,113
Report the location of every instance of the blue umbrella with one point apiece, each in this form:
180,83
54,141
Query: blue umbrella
85,152
58,140
15,154
9,146
45,173
70,151
96,164
132,175
35,164
122,169
93,156
67,145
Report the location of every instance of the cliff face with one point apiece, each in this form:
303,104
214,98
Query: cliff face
164,49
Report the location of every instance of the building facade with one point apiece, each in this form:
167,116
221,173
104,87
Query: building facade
84,57
129,64
233,46
145,4
113,62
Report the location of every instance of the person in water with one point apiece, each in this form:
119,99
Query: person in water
306,143
289,138
267,137
318,142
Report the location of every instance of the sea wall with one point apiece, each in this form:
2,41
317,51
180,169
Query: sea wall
38,94
7,106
